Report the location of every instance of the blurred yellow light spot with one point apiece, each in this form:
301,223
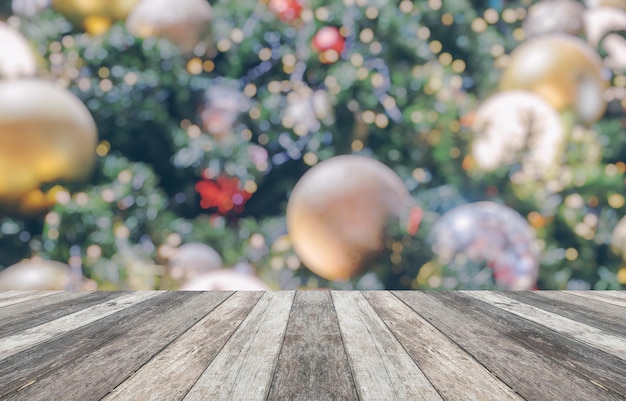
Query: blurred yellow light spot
368,116
250,186
520,13
68,41
620,80
273,86
104,72
433,137
445,58
366,35
395,258
447,19
371,12
263,139
208,65
250,90
381,120
417,117
458,66
435,46
377,80
357,145
491,15
223,45
376,47
621,275
310,159
53,234
103,148
345,31
322,13
362,73
289,59
246,134
121,231
265,54
389,103
423,33
518,34
131,78
509,16
236,35
356,59
434,4
536,220
616,201
194,131
479,25
593,201
434,281
329,56
497,50
94,251
406,6
419,174
106,85
55,47
194,66
255,113
455,152
455,126
571,254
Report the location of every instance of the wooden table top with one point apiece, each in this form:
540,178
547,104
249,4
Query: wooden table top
313,345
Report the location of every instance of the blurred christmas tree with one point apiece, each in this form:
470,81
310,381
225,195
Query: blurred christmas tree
208,116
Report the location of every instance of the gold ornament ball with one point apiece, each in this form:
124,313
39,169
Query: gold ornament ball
184,22
225,280
95,16
337,212
46,135
564,70
36,274
16,56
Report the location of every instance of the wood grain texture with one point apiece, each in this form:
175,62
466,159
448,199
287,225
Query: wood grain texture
23,296
244,367
589,335
91,376
600,296
15,343
382,368
32,313
312,364
454,373
171,373
501,342
607,317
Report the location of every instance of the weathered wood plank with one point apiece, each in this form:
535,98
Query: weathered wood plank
9,293
528,357
244,367
24,315
455,374
382,369
621,294
312,364
598,295
172,372
589,335
93,375
594,313
15,343
25,296
25,367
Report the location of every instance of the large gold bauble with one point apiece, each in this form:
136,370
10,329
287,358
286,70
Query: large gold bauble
183,22
564,70
46,135
16,56
36,274
337,212
95,16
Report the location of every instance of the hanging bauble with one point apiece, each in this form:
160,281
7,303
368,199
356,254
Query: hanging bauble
615,46
95,16
603,20
338,210
518,126
38,274
564,70
554,16
185,23
46,135
225,280
286,10
329,43
16,56
490,233
618,239
193,259
223,105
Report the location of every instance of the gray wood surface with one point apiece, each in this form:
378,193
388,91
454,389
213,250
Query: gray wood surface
317,345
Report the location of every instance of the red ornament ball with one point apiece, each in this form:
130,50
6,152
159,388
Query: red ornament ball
329,42
286,10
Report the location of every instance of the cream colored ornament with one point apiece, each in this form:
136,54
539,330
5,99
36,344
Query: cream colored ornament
615,46
602,20
225,280
193,259
554,16
337,213
618,239
564,70
36,274
606,3
184,22
29,8
16,56
95,16
46,135
518,126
